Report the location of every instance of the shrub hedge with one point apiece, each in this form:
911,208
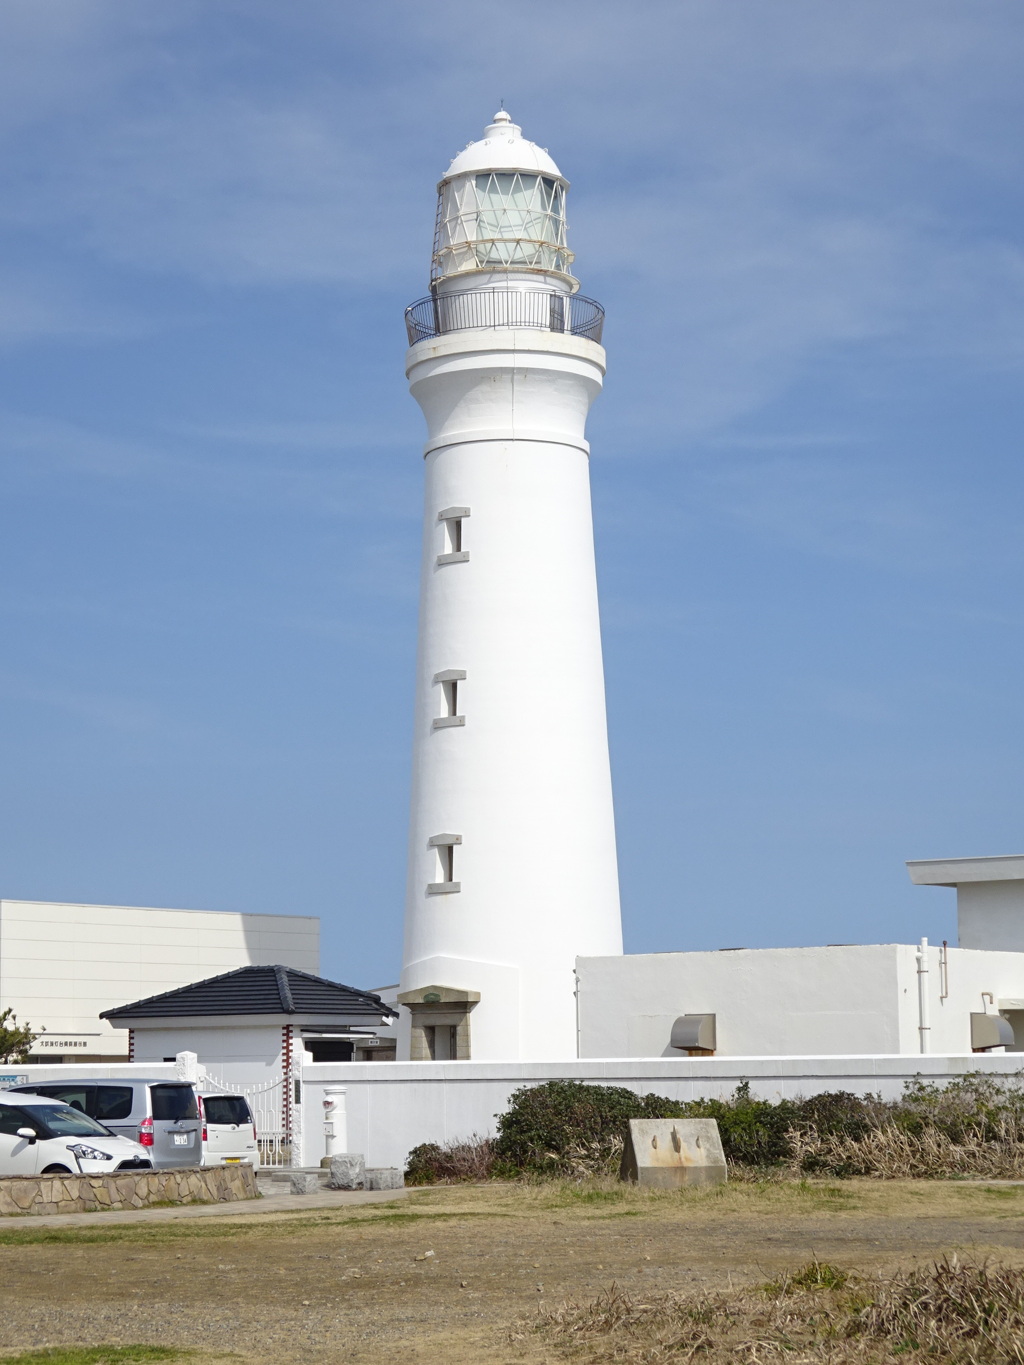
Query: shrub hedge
568,1128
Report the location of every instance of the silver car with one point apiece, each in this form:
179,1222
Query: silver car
160,1115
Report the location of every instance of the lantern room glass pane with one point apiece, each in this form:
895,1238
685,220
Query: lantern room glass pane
501,220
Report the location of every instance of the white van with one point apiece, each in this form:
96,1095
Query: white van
229,1130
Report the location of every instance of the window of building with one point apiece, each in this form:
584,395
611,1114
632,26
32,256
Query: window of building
444,846
329,1049
449,697
451,521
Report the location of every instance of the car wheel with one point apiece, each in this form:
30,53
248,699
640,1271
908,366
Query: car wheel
57,1170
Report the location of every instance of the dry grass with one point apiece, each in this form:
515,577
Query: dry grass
964,1313
451,1163
355,1284
892,1153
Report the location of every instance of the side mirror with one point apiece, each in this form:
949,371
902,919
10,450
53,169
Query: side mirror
29,1133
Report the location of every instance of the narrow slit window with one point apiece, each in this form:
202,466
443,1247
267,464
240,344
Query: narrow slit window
452,535
444,846
449,700
447,858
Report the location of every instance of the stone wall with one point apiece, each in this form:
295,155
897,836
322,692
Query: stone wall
126,1189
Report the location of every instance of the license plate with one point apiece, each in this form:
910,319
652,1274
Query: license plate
182,1139
229,1159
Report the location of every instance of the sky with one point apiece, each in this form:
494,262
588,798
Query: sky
804,221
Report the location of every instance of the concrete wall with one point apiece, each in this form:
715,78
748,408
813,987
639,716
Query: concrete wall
16,1073
792,1001
394,1106
244,1055
766,1001
972,982
62,964
991,915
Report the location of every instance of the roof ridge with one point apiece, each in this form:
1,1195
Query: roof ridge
321,980
258,988
284,989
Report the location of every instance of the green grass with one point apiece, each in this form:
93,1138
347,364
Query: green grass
226,1228
96,1355
815,1275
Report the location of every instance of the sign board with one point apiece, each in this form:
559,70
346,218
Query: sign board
11,1079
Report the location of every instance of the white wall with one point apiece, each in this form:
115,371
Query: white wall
13,1073
62,964
767,1001
786,1001
240,1054
991,914
974,982
394,1106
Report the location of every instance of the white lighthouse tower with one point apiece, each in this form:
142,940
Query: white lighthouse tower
512,866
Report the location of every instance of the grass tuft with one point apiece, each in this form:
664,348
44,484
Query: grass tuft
815,1275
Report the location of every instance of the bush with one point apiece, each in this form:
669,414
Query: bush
754,1132
568,1128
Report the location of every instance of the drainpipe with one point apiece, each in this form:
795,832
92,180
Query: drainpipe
576,993
944,971
923,1025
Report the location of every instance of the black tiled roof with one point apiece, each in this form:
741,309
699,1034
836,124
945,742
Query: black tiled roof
256,990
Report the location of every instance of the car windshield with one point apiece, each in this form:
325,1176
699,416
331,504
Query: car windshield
174,1102
226,1109
60,1120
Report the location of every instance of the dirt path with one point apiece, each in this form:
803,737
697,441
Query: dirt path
359,1284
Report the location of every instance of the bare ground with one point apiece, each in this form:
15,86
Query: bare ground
360,1286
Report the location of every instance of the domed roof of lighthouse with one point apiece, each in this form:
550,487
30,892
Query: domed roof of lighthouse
503,148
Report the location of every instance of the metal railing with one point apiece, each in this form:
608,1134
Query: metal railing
266,1102
549,312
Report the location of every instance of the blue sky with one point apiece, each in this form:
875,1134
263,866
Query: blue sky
804,220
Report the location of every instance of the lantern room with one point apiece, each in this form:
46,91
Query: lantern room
501,207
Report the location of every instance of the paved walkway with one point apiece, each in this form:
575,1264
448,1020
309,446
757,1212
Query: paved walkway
274,1203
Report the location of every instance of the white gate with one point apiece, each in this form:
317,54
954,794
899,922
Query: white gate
267,1102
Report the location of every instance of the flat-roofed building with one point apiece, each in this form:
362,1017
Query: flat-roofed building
61,964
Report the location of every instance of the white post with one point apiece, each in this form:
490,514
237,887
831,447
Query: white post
186,1064
923,1026
335,1120
295,1099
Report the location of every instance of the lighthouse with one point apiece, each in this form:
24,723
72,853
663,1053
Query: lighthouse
512,868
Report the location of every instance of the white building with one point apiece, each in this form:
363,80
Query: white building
61,965
784,1002
886,998
512,865
989,897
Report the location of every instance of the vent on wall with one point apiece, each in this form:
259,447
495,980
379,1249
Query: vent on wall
695,1034
989,1031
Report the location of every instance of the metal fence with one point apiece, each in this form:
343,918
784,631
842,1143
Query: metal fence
546,311
266,1102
